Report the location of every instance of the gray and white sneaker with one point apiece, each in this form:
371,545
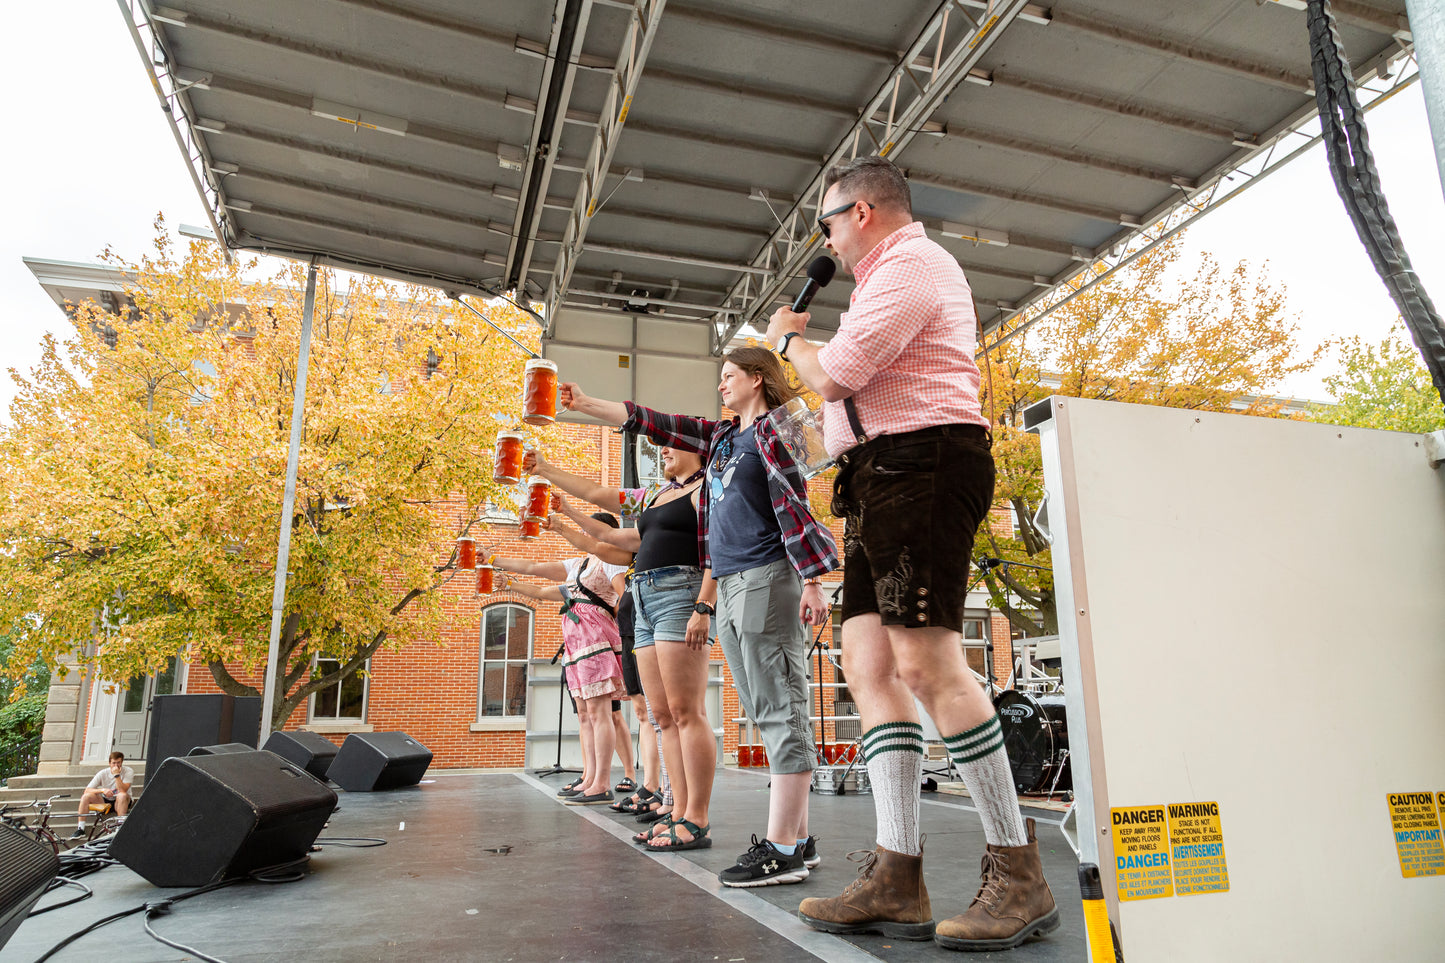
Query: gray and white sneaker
763,865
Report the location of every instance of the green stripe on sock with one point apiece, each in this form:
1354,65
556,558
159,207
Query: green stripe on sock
882,726
872,752
966,756
893,737
973,736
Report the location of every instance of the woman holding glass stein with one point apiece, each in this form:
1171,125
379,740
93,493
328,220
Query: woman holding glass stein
672,607
758,536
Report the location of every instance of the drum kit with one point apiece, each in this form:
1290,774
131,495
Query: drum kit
1035,726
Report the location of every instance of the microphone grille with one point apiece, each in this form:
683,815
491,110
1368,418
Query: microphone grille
822,270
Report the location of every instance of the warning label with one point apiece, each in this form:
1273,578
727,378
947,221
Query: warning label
1141,852
1196,846
1415,818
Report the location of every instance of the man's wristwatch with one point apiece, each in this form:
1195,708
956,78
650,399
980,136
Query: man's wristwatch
702,608
783,344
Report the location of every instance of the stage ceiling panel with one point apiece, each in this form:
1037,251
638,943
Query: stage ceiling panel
462,144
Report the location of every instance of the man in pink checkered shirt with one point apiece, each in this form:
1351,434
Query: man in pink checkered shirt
915,482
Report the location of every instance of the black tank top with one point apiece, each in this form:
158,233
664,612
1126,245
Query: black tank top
669,535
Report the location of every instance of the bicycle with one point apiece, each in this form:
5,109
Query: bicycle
17,817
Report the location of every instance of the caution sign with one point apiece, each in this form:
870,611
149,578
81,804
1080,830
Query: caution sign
1141,852
1415,818
1196,847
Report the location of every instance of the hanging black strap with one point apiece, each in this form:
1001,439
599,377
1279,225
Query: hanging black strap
853,421
587,593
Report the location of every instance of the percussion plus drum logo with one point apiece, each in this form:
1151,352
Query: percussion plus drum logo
1017,712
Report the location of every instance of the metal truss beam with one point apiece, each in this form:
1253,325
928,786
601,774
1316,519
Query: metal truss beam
636,45
569,28
954,41
160,67
1284,144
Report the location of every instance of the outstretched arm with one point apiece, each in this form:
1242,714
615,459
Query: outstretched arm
571,397
508,583
586,543
555,571
627,538
602,496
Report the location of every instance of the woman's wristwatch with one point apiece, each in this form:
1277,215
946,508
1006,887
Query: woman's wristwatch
702,608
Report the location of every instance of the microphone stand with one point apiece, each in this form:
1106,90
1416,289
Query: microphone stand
557,766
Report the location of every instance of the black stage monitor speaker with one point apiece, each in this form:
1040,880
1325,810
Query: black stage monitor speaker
222,749
180,723
205,818
378,760
309,750
26,868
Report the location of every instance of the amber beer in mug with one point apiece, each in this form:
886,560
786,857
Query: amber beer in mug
466,552
539,497
531,528
507,469
539,392
485,585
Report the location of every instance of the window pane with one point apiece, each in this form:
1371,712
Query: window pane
353,689
516,690
326,703
494,634
494,679
135,694
166,679
519,634
972,629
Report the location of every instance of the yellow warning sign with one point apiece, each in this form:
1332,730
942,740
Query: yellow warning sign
1141,852
1415,818
1196,848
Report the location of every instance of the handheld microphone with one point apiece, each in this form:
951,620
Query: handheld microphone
820,272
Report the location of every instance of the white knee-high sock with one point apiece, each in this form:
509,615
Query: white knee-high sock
894,753
982,760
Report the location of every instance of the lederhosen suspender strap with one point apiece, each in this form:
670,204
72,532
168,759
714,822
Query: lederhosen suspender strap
853,421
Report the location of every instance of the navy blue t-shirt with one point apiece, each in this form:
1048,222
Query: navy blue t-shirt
743,530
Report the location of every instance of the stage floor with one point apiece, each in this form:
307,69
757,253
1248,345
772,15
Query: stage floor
491,866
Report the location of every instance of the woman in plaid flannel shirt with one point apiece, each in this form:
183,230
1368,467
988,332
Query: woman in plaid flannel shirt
757,534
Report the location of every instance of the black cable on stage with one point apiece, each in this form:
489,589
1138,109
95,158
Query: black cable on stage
353,842
1347,145
63,881
160,910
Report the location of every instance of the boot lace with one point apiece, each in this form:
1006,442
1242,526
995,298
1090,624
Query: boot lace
869,859
995,879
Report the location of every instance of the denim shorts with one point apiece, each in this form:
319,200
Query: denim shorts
911,505
663,600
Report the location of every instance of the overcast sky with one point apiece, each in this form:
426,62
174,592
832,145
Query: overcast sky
92,160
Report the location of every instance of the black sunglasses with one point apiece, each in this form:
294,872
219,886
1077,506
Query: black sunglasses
823,218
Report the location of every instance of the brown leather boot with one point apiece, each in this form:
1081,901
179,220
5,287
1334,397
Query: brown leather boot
1013,904
888,897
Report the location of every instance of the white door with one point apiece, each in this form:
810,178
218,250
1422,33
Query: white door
132,715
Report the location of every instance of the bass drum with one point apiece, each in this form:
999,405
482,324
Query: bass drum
1036,736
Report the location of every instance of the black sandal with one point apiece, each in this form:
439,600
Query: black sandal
626,785
700,838
635,803
651,832
648,814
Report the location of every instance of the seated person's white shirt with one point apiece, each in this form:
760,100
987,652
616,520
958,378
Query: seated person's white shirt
105,779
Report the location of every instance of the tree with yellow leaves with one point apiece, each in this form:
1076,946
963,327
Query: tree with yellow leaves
145,462
1217,341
